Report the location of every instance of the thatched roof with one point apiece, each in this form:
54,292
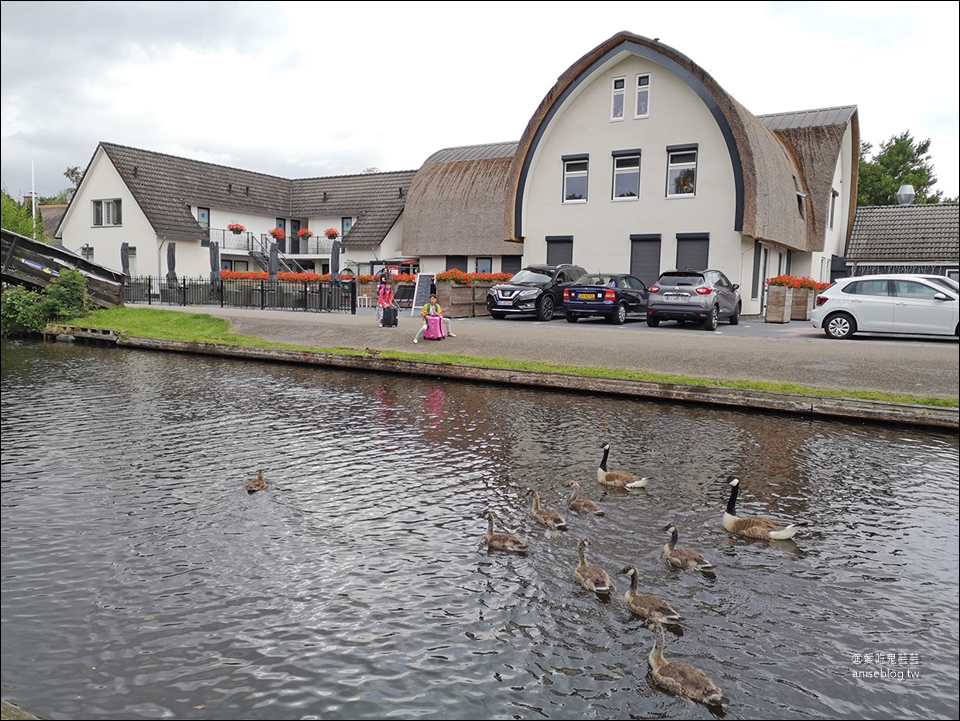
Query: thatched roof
456,200
893,233
769,168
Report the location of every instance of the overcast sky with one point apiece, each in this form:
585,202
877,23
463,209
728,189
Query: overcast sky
308,89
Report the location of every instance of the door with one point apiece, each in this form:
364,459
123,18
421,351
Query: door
871,304
917,310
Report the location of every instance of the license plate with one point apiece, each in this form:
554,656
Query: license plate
587,296
674,298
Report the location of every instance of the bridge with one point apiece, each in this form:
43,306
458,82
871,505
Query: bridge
35,265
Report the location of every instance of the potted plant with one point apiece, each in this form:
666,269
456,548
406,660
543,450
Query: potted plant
278,234
236,228
305,233
332,233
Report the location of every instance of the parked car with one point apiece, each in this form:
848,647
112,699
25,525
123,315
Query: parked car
891,303
945,281
534,290
615,296
701,296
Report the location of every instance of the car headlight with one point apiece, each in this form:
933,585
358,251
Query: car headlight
532,293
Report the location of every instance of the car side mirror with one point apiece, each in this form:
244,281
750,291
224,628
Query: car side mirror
941,296
736,286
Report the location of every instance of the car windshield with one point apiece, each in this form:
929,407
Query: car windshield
943,280
530,276
598,280
681,279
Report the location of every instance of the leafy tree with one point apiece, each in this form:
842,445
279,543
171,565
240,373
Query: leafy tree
74,175
18,217
901,161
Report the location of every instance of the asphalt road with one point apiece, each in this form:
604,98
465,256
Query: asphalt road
792,352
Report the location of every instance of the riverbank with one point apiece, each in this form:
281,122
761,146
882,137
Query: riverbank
785,353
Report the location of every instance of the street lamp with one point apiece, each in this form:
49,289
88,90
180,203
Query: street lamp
905,195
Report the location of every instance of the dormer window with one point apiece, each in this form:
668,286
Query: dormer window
617,98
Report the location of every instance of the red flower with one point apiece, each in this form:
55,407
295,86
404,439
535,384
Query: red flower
278,233
305,233
332,233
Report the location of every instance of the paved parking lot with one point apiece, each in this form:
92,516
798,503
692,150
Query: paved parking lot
792,352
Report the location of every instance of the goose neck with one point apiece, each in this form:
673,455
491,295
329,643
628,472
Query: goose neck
732,502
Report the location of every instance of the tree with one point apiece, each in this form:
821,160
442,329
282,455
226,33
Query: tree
18,218
74,175
901,161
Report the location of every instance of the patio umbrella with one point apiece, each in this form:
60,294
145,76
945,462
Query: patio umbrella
274,265
215,265
335,261
171,264
125,260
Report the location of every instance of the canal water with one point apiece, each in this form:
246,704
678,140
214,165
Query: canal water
140,580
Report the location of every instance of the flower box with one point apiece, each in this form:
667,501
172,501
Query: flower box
779,304
803,299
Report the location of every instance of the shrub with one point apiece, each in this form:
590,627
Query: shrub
26,312
792,281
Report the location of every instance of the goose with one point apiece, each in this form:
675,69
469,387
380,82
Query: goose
617,479
502,541
681,679
644,605
683,557
546,516
754,526
258,484
582,505
592,578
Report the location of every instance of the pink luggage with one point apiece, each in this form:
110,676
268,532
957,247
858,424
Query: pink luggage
434,329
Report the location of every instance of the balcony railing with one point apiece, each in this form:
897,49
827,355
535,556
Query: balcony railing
248,242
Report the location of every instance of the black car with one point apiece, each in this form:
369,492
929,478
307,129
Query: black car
700,296
614,296
535,290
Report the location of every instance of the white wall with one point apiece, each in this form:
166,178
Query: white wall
601,227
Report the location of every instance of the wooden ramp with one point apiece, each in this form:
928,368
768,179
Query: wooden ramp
34,265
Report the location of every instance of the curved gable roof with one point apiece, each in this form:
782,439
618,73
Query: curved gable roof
767,175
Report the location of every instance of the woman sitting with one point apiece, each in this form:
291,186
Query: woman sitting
432,315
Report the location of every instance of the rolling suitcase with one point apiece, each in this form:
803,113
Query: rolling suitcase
390,316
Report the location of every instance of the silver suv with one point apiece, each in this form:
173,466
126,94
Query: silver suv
701,296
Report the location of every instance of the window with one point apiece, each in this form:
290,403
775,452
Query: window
346,224
867,287
617,98
693,251
643,96
510,263
575,179
681,172
484,265
456,262
645,257
203,218
107,212
626,175
86,252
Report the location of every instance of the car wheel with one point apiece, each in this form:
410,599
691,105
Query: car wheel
712,320
839,325
545,309
653,322
619,315
735,318
497,315
572,317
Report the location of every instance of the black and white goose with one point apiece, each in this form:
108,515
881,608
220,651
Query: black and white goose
758,527
683,557
681,679
617,479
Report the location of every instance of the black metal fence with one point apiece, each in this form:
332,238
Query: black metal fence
329,296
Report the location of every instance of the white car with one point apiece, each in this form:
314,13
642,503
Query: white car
891,303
